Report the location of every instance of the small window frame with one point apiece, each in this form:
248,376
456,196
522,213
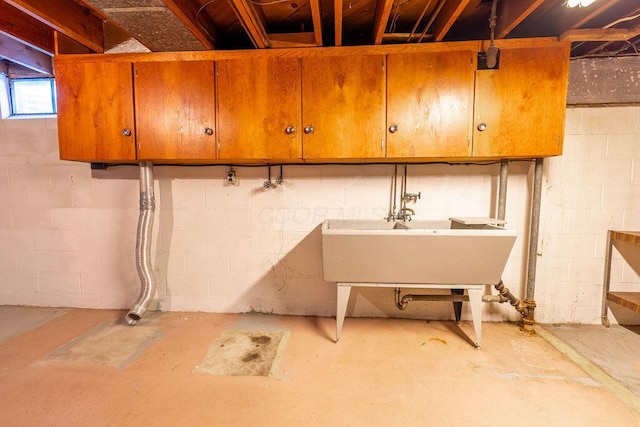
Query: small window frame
12,98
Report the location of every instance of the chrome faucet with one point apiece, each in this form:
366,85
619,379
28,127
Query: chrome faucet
405,213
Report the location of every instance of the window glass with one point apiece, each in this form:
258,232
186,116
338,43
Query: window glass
33,96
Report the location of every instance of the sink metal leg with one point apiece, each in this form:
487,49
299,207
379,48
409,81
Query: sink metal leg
344,289
475,302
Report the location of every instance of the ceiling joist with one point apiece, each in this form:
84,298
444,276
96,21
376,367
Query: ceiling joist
195,19
316,16
337,7
512,13
450,12
21,54
380,19
250,21
15,23
68,17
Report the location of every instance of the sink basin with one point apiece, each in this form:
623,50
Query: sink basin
416,252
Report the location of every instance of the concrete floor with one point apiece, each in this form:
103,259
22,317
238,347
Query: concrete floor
83,367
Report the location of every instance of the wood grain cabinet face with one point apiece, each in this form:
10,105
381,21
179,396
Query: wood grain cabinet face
343,107
520,108
95,111
175,110
259,109
429,104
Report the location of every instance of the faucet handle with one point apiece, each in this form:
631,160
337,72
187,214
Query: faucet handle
412,196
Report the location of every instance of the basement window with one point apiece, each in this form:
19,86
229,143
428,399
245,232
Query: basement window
33,96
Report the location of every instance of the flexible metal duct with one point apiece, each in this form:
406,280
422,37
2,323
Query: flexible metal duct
143,245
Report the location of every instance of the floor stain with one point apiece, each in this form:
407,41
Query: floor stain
243,353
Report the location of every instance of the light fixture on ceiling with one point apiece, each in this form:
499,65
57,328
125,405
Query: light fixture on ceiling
581,3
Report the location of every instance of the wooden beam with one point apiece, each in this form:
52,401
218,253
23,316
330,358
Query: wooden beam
284,40
67,46
380,19
337,7
447,17
600,34
15,51
400,37
251,23
316,16
512,13
68,17
186,11
15,23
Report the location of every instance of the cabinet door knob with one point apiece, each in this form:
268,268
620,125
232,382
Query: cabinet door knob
290,130
126,132
393,128
482,126
308,129
208,131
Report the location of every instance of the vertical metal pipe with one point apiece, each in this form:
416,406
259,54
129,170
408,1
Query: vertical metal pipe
143,245
529,301
502,191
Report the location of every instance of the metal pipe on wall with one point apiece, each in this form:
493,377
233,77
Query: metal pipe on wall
529,301
502,191
143,245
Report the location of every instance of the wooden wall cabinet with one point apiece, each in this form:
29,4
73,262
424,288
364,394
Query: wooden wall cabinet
95,111
415,103
175,110
343,107
520,108
430,104
259,109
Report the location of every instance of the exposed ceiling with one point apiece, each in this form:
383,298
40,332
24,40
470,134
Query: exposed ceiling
32,30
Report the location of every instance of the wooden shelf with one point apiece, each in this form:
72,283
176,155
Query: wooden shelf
629,300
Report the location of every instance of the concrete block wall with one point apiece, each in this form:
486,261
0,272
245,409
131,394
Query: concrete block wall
593,187
67,234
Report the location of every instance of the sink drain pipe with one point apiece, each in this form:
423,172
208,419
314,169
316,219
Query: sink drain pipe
505,293
143,245
529,300
526,307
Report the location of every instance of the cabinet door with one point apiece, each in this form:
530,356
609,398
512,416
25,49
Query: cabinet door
429,104
259,108
95,111
520,108
343,107
175,110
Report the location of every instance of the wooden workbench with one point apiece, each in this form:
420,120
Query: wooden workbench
630,300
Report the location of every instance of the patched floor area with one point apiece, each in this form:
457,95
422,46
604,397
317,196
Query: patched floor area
108,344
244,353
15,321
